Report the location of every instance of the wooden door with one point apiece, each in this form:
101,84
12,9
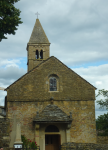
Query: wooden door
52,142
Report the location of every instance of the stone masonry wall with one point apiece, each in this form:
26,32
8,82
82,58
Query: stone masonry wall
83,124
102,139
84,146
4,132
32,61
31,94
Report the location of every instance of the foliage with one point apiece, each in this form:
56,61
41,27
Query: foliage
102,120
102,124
101,102
27,142
9,18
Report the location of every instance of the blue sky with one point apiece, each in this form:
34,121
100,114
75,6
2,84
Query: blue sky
91,64
77,31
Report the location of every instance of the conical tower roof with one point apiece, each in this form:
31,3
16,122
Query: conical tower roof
38,35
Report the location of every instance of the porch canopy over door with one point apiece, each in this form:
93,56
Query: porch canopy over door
52,114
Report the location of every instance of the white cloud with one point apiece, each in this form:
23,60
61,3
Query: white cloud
98,83
7,63
2,97
7,77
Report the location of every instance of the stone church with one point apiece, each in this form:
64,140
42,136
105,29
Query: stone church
52,103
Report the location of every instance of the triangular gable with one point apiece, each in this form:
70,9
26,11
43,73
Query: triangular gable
45,62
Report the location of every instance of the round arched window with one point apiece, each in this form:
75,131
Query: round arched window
51,128
53,84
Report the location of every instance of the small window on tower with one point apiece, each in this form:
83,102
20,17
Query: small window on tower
41,54
53,84
37,54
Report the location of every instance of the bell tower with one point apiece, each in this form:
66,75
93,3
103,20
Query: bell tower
38,47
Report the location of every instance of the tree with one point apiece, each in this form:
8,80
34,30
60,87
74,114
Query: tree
102,125
102,120
9,18
101,102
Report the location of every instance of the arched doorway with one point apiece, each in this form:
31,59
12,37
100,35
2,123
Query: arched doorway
52,138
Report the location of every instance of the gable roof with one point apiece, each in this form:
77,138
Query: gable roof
38,35
52,113
44,62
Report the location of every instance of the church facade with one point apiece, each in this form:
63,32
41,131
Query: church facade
52,103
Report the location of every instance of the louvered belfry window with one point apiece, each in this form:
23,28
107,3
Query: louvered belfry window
53,84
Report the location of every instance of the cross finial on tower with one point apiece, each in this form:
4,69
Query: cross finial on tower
37,14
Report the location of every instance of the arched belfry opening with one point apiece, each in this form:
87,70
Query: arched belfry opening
37,54
41,54
51,128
